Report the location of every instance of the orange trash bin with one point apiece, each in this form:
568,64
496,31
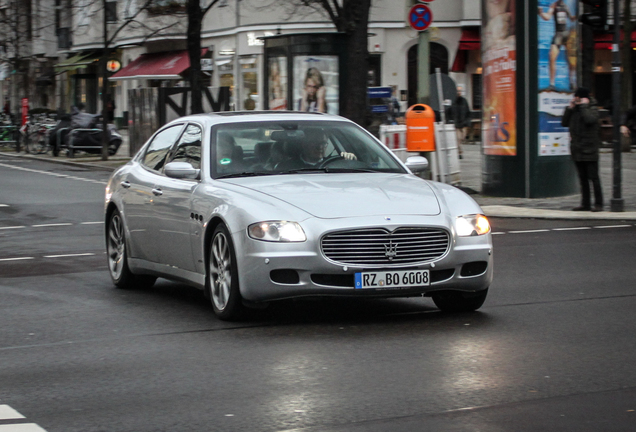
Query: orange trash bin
420,128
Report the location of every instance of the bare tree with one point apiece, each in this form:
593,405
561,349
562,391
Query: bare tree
18,29
110,32
195,18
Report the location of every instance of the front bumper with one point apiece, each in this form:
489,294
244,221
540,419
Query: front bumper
272,271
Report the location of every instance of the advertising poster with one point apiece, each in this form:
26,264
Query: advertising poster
316,86
499,62
277,83
557,72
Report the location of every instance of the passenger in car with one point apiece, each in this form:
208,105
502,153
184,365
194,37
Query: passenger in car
276,156
228,155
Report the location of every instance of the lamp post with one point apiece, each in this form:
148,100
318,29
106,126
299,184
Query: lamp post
617,202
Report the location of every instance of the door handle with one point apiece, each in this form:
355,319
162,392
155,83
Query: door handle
125,184
157,192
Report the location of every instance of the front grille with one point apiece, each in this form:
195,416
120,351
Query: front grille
408,245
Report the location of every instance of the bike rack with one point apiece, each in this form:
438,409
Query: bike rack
71,134
15,129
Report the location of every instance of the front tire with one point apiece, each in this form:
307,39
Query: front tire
223,283
118,258
459,301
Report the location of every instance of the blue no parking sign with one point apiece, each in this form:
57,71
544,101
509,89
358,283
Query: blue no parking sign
420,17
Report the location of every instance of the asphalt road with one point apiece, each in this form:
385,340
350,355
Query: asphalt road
552,348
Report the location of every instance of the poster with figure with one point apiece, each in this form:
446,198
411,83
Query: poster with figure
316,87
277,83
499,61
558,37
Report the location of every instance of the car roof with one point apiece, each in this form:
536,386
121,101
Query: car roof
256,116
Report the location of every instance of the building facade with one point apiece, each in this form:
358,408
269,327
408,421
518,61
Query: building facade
54,53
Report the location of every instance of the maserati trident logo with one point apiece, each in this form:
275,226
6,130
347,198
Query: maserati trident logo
390,250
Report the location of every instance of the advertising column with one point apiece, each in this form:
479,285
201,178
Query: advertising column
558,41
499,58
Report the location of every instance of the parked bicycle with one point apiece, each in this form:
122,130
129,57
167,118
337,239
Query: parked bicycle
36,134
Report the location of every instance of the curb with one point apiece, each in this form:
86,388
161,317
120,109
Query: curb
58,160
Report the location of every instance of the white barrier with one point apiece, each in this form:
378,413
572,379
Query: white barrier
394,138
443,164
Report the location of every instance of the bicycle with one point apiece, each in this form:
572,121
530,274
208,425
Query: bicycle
9,133
36,133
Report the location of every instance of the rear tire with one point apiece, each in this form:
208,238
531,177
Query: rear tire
222,276
118,257
459,301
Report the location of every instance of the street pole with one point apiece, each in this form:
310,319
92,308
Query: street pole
617,203
104,72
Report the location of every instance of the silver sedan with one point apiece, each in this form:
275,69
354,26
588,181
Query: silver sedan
257,207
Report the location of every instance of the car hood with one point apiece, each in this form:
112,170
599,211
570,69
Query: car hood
348,195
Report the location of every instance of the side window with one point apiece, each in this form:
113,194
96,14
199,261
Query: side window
157,151
189,147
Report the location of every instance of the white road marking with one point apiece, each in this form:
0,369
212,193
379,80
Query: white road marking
613,226
23,427
4,205
69,255
495,233
16,259
12,227
90,223
571,228
54,174
528,231
52,225
8,413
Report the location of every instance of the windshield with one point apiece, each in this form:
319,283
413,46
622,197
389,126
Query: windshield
291,147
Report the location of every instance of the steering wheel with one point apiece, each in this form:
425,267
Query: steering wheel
330,160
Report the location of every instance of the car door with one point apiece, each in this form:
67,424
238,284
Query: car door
141,194
173,208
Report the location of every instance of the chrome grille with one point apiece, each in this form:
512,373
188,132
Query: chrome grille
408,245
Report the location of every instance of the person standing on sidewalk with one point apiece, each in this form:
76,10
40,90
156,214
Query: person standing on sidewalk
461,116
582,118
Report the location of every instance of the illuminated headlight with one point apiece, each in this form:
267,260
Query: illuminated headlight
109,194
277,231
472,225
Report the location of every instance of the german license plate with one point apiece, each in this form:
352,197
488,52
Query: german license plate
392,279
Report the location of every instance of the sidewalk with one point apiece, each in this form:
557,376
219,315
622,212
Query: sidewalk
558,207
546,208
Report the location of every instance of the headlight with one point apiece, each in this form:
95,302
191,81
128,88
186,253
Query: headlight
472,225
109,194
277,231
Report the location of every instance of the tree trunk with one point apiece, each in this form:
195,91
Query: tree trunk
354,23
194,51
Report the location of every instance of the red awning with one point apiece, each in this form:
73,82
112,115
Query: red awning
470,40
163,65
604,41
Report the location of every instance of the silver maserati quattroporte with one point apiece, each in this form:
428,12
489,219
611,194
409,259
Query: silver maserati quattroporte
261,206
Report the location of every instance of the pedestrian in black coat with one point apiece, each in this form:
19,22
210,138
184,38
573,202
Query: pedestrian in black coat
582,117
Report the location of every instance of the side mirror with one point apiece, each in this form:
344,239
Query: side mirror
417,163
181,170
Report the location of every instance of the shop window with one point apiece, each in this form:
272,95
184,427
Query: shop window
476,81
249,83
375,70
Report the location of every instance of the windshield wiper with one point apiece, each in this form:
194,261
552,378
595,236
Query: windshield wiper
245,174
305,170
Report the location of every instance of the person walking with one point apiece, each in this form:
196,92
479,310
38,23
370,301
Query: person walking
582,118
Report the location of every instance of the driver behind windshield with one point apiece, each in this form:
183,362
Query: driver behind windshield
312,153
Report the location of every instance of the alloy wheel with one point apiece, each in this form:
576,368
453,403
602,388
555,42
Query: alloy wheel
116,246
220,271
